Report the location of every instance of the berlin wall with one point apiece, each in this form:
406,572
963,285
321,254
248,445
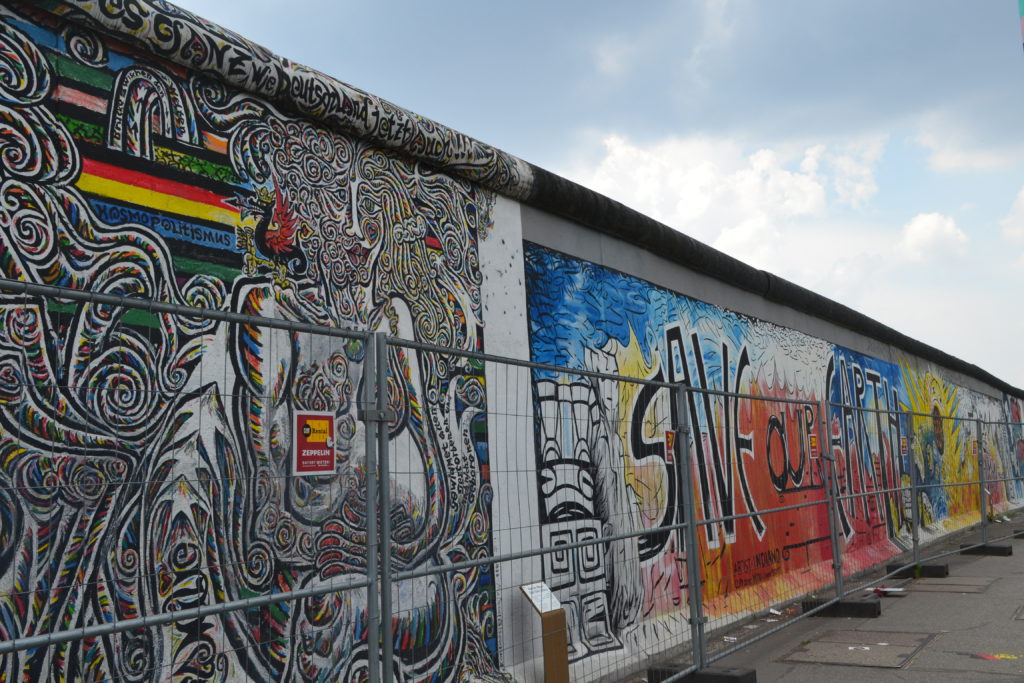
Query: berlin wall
147,153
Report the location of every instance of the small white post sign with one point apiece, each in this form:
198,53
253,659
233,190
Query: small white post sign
541,597
313,443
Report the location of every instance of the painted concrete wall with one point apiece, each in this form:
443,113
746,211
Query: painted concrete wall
750,457
123,173
173,164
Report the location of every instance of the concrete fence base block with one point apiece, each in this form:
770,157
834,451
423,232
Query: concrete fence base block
712,674
868,608
919,571
987,549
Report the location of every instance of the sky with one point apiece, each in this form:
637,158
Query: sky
871,151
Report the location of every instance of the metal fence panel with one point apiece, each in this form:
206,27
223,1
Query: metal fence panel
545,480
153,524
872,452
764,514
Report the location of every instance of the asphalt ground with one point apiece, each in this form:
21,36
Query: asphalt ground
966,627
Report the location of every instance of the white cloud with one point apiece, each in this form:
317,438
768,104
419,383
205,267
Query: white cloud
613,56
708,187
1013,224
951,149
769,207
853,167
927,235
752,204
716,34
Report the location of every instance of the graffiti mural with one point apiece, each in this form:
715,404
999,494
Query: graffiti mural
176,35
944,451
750,456
143,456
605,456
1009,440
868,437
999,448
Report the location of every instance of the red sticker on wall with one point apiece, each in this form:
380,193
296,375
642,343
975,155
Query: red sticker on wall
313,443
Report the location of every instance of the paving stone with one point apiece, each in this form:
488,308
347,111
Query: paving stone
958,580
884,649
949,588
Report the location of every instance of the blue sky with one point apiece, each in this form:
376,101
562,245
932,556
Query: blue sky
868,150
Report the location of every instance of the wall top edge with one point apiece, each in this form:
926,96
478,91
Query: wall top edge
183,38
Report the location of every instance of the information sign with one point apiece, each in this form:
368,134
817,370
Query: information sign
313,443
541,597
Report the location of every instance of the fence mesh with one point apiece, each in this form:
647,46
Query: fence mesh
155,510
760,546
150,512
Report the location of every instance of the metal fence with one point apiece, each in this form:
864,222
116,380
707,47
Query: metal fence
151,511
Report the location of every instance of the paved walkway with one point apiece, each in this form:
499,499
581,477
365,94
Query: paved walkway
969,627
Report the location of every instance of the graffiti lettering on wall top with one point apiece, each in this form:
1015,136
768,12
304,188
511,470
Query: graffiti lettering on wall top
866,444
181,37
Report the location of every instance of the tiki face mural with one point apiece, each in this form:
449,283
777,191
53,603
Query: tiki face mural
146,470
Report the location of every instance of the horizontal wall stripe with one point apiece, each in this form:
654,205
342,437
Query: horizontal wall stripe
153,199
195,165
68,68
187,265
130,317
63,93
129,181
87,126
171,160
168,226
215,143
86,132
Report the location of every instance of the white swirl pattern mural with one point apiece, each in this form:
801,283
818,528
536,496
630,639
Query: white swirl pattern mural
145,470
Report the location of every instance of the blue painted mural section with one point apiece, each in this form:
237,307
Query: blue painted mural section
869,437
575,305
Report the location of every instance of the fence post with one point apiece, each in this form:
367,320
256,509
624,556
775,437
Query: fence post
1017,467
374,546
832,495
1014,482
384,462
981,482
915,503
685,478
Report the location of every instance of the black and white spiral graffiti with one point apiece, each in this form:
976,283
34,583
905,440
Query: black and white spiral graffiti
144,457
182,37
